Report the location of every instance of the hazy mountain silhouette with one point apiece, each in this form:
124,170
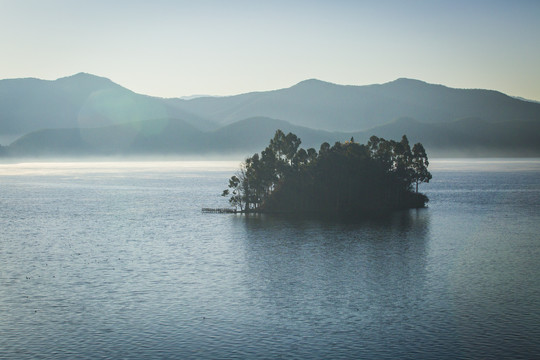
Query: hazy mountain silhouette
142,137
163,136
321,105
250,134
79,101
467,137
90,115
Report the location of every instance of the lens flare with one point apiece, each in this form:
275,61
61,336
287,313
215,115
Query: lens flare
126,116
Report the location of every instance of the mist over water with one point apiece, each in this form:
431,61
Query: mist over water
486,164
110,260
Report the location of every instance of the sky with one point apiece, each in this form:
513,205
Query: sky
174,48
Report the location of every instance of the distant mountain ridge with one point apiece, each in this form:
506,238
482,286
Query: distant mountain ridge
467,137
78,101
321,105
84,114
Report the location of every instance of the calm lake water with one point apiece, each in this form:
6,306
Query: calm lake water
116,260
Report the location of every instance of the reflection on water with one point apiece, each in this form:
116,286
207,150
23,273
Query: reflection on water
101,261
486,165
353,283
112,168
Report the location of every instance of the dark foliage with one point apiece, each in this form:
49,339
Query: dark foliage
347,178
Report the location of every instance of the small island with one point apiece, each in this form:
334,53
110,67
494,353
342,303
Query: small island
347,178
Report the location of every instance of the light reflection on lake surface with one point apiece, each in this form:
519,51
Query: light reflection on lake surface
492,165
113,167
116,260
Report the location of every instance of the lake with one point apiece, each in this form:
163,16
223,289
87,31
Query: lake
116,260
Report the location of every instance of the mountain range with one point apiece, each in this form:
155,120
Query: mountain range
89,115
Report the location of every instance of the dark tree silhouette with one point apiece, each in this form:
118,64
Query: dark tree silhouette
419,165
347,178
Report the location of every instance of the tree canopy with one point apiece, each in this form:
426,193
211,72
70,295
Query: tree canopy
346,178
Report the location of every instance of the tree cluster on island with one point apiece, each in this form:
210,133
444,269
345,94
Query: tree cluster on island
348,178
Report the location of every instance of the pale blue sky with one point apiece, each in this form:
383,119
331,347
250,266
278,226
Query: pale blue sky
176,48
